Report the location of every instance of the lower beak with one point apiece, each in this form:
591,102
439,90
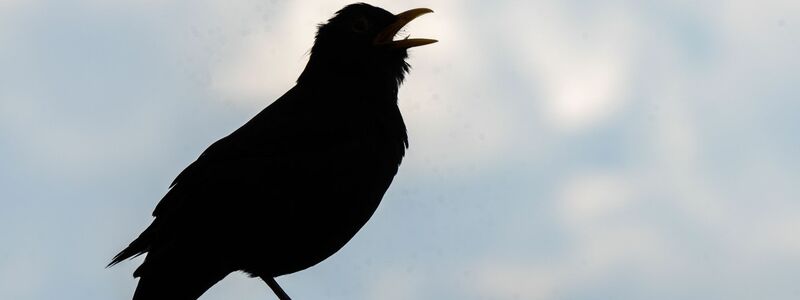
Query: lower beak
385,37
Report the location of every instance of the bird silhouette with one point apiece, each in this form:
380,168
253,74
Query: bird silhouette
295,183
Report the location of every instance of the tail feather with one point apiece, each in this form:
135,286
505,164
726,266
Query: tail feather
129,252
139,246
176,283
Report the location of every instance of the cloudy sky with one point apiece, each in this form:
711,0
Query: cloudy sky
559,149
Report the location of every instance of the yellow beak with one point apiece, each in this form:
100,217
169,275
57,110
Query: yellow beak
386,36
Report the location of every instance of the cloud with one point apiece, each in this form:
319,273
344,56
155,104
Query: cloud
254,74
578,67
587,199
393,284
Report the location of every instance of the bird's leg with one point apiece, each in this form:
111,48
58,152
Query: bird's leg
275,288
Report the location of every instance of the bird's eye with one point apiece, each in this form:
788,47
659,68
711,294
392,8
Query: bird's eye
361,25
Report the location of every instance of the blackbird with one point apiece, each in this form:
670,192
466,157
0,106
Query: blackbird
295,183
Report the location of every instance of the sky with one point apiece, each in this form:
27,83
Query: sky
572,149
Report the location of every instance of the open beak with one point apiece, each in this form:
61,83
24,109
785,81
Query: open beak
385,37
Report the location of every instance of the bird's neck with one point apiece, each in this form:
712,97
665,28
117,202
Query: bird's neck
357,97
331,71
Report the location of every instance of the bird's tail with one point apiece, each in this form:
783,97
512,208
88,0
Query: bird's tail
176,283
128,252
138,247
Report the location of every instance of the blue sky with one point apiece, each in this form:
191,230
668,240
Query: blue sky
559,149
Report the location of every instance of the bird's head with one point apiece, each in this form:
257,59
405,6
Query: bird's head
358,43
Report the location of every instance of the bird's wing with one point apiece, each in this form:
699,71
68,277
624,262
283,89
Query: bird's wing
288,154
263,148
228,161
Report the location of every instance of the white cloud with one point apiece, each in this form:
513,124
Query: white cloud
583,94
594,197
582,66
392,284
454,114
254,74
512,281
597,255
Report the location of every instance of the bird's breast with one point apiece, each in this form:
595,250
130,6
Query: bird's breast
343,190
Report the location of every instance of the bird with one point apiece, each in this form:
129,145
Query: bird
295,183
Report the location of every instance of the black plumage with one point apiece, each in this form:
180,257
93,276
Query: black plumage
295,183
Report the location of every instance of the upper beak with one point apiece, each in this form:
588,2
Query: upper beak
385,37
